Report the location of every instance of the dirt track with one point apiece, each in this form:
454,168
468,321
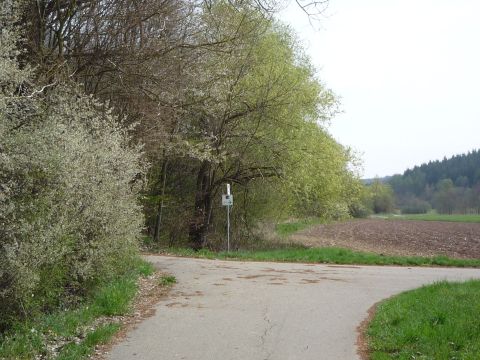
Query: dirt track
398,237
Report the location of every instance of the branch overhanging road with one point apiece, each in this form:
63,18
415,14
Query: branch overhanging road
228,310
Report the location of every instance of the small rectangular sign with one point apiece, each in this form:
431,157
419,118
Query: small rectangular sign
227,200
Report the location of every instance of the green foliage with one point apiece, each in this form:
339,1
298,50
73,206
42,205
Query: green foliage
167,280
29,338
303,171
289,228
100,335
319,181
383,200
360,211
145,268
415,206
361,206
114,298
440,217
327,255
438,321
449,186
253,116
68,194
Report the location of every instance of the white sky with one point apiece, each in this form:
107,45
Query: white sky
407,72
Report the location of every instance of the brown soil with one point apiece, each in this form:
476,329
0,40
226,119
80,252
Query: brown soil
398,237
362,339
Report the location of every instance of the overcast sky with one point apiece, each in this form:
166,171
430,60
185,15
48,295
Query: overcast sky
407,72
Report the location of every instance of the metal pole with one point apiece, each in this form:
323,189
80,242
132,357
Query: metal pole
228,228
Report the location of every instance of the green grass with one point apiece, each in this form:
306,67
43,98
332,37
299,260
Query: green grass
288,228
28,339
438,217
439,321
145,268
82,350
328,255
114,298
167,280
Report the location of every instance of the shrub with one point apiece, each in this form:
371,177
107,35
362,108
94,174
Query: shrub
416,206
358,210
68,212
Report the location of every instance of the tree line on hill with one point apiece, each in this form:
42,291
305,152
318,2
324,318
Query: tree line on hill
121,118
448,186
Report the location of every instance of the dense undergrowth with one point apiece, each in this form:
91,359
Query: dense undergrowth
73,333
69,185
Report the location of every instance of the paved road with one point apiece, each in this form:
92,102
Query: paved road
223,310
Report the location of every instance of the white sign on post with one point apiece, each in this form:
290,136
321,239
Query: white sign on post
227,200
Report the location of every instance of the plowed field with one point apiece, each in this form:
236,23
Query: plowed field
398,237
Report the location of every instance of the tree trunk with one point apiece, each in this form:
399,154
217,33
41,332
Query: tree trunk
158,220
199,224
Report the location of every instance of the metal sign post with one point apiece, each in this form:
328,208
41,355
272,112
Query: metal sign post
228,228
227,200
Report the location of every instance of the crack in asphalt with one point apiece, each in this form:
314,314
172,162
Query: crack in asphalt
266,333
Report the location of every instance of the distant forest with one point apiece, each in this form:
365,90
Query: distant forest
449,186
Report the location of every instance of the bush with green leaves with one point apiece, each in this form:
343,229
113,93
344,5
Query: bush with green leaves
69,180
415,205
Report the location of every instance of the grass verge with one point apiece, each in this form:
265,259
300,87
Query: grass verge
70,334
327,255
288,228
438,217
438,321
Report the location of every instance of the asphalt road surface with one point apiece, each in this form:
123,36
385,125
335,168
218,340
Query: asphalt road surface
226,310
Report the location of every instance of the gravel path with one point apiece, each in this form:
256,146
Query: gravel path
222,310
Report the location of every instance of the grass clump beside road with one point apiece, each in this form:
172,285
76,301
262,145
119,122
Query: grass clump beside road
70,334
327,255
439,321
168,280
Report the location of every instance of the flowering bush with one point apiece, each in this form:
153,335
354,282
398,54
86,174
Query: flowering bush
68,191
